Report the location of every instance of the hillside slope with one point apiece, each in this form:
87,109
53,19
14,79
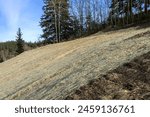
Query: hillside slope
130,81
54,71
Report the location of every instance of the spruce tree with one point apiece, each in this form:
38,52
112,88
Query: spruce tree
47,22
20,42
56,22
65,20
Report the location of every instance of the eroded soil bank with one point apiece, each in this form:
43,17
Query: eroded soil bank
129,81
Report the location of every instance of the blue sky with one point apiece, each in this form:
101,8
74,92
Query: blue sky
20,13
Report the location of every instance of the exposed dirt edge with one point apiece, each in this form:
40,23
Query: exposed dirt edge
143,34
128,82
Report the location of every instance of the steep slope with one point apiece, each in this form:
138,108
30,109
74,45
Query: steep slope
54,71
130,81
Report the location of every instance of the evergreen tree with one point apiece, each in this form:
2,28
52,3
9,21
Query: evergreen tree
20,42
66,21
129,11
56,21
48,22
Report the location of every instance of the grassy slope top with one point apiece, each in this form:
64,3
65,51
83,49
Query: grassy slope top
54,71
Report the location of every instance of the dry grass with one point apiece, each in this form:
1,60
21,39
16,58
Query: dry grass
54,71
129,81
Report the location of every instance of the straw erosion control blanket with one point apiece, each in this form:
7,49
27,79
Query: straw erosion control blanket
55,71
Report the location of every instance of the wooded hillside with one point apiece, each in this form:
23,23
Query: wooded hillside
7,50
67,19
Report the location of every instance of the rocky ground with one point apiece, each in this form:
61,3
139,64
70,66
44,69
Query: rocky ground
128,82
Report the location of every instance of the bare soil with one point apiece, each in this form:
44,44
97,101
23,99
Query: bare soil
56,71
128,82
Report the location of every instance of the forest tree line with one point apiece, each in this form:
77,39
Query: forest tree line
65,20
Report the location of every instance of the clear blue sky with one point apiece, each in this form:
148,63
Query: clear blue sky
20,13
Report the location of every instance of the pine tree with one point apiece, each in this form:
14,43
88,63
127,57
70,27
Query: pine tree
48,22
67,23
56,22
131,11
20,42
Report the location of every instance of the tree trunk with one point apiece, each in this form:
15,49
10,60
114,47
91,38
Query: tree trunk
146,3
59,26
55,13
